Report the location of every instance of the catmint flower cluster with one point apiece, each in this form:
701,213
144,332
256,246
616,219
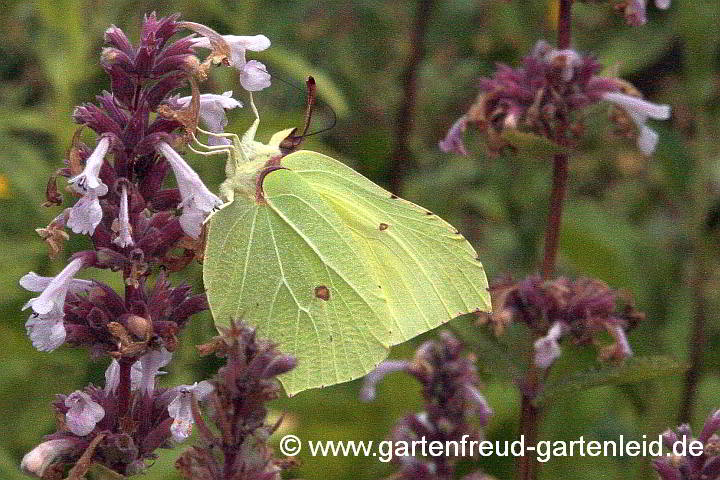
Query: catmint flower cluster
136,226
454,407
542,96
128,437
705,466
239,449
559,308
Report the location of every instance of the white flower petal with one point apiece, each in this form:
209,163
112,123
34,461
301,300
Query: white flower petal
202,390
85,215
181,429
640,110
197,200
638,106
647,140
37,283
52,297
180,409
84,413
112,376
191,221
148,367
46,332
254,76
256,43
124,238
36,461
547,348
89,180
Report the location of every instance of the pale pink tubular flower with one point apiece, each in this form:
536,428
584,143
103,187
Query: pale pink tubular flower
180,409
46,331
86,214
142,373
84,413
150,365
124,238
547,348
212,113
635,11
45,326
197,200
453,141
36,461
253,74
54,290
640,111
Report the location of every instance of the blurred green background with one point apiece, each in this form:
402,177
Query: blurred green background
646,225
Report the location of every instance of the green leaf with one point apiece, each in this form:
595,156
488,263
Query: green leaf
634,370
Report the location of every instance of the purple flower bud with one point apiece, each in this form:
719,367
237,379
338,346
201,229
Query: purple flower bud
712,424
83,413
665,470
117,38
278,365
481,404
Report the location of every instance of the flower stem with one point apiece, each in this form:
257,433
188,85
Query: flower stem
557,198
697,338
529,424
530,414
123,391
564,20
401,156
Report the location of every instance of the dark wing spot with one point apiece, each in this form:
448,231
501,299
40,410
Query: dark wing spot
383,226
322,292
477,258
428,212
393,196
456,232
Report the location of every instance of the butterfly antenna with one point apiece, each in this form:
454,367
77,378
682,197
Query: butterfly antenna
312,101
